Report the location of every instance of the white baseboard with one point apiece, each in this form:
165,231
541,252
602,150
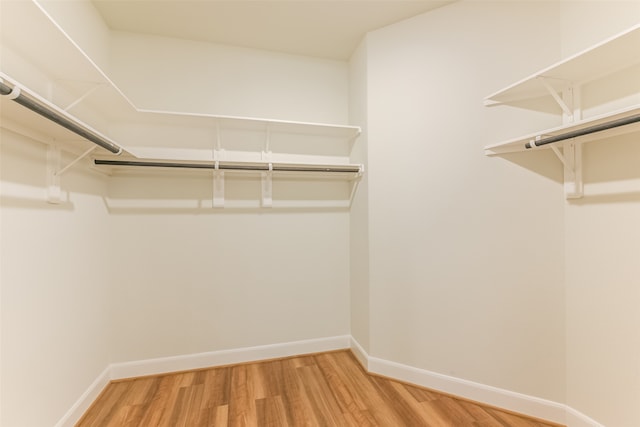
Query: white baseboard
360,354
509,400
226,357
78,409
578,419
481,393
163,365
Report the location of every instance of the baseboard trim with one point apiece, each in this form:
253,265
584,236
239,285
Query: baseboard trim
489,395
226,357
360,353
481,393
578,419
78,409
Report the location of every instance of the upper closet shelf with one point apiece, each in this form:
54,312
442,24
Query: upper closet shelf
612,63
53,69
606,57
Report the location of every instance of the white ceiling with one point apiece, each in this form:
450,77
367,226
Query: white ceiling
321,28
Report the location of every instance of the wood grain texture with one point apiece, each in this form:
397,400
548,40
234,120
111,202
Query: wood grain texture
326,389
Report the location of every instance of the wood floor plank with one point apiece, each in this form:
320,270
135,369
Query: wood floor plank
217,384
323,403
271,412
297,405
242,402
325,389
359,386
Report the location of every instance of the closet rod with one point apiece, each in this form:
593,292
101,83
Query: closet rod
586,131
253,167
46,111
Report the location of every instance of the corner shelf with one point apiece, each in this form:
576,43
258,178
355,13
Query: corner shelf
563,83
72,83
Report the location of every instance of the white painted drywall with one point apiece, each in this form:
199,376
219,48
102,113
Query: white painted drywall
359,215
456,260
603,243
175,281
191,282
203,280
83,25
466,251
55,279
188,76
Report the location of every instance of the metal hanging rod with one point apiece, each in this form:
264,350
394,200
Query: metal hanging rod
586,131
232,166
52,113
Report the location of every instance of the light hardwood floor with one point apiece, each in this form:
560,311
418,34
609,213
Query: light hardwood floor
326,389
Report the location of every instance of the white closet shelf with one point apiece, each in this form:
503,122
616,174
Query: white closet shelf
21,115
518,144
614,60
611,55
159,117
83,104
43,128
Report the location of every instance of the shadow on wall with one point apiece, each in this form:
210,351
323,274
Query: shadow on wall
38,202
194,193
23,176
611,169
24,185
542,162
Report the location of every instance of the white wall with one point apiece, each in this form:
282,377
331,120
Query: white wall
176,281
603,292
359,216
180,75
55,278
466,251
469,266
603,243
83,25
197,281
200,280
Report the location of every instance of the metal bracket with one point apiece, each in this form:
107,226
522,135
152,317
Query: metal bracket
83,97
218,175
266,178
571,158
561,100
267,187
218,187
82,156
571,155
54,172
354,185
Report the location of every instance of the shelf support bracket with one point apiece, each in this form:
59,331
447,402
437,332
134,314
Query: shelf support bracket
53,178
218,187
556,96
217,200
83,97
571,158
267,187
82,156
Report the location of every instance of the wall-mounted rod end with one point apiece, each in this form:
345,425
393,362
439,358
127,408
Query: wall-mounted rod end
529,144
